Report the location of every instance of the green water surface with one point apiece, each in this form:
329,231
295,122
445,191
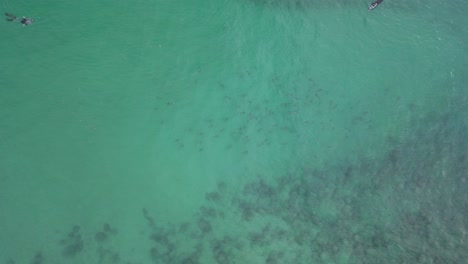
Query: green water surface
234,131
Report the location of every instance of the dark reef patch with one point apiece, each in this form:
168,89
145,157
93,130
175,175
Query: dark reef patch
73,244
408,205
105,233
38,258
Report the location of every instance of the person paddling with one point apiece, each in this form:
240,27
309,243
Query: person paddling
25,20
374,5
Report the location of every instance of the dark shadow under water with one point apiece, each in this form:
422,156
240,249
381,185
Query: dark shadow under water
408,206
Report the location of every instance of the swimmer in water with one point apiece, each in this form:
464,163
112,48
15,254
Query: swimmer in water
25,20
374,5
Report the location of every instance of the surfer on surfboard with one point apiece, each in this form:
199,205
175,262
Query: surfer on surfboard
374,4
25,20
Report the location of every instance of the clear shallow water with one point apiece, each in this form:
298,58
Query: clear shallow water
234,132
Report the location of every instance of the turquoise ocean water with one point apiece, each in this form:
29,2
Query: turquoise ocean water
234,131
